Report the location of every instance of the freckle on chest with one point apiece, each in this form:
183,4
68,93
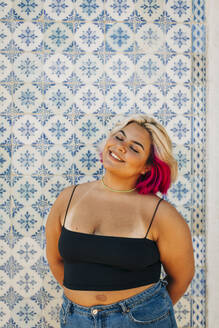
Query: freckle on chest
101,297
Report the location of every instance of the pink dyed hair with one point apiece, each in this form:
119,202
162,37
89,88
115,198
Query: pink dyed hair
158,178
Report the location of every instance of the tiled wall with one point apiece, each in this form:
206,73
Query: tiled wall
68,71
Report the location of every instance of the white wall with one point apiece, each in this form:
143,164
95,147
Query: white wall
213,165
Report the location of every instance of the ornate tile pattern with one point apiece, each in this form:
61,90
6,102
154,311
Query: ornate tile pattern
69,69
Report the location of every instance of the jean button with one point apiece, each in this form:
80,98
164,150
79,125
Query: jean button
94,311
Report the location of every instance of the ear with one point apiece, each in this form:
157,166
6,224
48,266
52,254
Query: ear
146,169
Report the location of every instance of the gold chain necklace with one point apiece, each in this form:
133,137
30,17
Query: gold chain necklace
114,189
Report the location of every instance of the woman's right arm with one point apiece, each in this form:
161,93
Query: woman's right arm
53,231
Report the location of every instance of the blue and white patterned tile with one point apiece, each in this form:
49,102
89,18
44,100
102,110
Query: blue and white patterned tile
5,209
26,282
57,160
6,6
28,99
5,131
148,68
59,98
42,298
88,99
27,9
28,67
179,129
5,100
26,160
92,10
5,314
119,37
178,38
26,190
198,99
179,99
5,68
119,67
119,11
27,129
198,69
88,68
199,244
182,311
179,69
27,221
11,298
5,253
26,314
198,282
52,286
57,68
198,313
58,37
25,254
58,129
120,99
149,10
198,130
5,36
198,10
87,160
58,10
183,157
149,38
180,192
28,36
149,99
198,38
164,114
180,10
51,312
89,37
88,129
54,186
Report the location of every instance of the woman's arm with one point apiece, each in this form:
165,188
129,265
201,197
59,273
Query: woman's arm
176,251
53,231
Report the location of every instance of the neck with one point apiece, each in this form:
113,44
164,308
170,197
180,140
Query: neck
117,184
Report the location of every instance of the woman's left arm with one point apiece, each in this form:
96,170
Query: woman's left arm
176,251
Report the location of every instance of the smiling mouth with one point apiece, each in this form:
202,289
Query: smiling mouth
115,157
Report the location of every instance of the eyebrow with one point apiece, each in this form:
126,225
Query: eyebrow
136,142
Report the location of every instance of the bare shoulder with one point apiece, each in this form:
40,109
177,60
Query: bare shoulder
64,196
169,221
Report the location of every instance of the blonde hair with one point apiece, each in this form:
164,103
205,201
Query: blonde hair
159,137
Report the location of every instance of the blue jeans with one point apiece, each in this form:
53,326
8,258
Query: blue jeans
151,308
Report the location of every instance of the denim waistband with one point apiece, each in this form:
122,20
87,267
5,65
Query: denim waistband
123,304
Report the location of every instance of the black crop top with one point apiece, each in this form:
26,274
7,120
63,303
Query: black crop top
97,262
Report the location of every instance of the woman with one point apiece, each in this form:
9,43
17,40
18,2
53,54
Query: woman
106,239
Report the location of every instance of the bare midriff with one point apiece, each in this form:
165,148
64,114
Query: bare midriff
93,297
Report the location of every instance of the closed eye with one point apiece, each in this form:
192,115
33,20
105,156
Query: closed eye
130,146
118,138
134,150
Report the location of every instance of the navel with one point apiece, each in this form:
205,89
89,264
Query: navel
101,297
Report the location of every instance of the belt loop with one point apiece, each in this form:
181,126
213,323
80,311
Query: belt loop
67,310
164,282
124,307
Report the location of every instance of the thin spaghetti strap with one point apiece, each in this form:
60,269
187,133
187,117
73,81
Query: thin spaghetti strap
153,216
69,204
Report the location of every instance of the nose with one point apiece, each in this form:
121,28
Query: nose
121,147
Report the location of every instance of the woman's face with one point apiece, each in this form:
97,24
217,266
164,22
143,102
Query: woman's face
126,151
